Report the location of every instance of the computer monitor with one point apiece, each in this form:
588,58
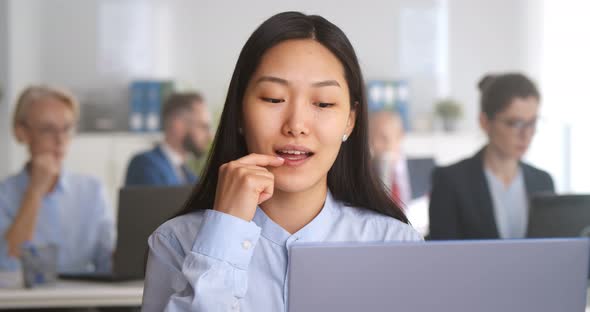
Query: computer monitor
141,210
460,276
559,216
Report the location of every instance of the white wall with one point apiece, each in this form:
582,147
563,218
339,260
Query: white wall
564,81
487,36
22,68
208,41
197,43
4,110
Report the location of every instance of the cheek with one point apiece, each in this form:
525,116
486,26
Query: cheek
329,134
39,146
260,128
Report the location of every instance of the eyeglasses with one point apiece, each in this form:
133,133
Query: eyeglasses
50,131
519,125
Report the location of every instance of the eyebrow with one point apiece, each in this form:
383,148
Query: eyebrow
319,84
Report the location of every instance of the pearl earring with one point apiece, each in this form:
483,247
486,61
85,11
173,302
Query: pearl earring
344,138
240,130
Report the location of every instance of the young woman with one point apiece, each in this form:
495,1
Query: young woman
486,196
290,163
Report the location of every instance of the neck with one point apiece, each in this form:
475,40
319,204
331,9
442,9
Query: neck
176,147
503,167
292,211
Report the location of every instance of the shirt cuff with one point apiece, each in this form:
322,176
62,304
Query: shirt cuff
227,238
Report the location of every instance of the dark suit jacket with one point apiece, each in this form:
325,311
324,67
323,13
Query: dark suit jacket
420,171
154,168
461,203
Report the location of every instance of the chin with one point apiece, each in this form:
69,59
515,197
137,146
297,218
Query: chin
293,184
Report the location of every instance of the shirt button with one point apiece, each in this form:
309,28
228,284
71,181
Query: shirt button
246,244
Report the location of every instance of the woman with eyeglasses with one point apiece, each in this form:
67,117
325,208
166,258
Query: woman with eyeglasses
486,196
45,204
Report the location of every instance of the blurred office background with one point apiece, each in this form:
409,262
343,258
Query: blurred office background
96,48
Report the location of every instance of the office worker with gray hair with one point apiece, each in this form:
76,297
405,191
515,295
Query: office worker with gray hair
45,204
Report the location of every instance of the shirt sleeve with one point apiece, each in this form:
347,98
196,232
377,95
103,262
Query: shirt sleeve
7,263
213,276
105,244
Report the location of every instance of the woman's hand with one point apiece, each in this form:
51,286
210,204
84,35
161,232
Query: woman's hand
245,183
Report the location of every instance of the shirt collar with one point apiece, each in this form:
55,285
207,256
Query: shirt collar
314,231
23,179
174,157
401,163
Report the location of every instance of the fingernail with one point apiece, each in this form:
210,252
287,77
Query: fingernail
280,158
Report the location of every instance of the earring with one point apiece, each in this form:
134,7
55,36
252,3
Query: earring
240,130
344,138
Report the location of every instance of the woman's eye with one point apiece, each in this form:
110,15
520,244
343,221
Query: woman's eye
272,100
324,105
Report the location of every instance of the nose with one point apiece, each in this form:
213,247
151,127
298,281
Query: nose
296,119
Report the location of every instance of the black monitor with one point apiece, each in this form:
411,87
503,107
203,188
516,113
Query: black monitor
559,216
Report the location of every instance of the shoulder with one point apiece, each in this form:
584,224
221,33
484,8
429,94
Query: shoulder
536,172
179,233
370,225
146,156
538,176
9,184
11,190
82,181
456,168
457,174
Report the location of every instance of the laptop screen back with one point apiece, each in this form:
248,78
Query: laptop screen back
460,276
141,211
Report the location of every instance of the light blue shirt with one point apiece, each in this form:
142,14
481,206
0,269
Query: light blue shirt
75,216
511,210
211,261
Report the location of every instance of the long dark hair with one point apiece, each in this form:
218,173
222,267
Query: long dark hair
498,91
350,179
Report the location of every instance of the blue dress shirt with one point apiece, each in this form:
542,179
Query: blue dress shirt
212,261
75,216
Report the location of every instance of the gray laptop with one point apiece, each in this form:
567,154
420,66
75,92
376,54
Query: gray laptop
460,276
141,210
559,216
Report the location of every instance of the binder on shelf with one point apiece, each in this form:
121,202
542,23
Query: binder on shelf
402,102
136,106
147,98
389,95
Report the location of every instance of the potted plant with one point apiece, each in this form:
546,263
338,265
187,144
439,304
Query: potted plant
450,112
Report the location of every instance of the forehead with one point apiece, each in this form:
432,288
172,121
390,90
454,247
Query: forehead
301,60
49,109
521,107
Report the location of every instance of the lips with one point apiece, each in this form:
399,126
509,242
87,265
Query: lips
294,155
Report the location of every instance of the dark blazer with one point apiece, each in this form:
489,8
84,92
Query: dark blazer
420,171
461,203
154,168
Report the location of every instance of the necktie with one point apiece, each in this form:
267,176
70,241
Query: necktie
395,190
185,174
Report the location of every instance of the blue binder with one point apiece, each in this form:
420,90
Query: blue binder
136,106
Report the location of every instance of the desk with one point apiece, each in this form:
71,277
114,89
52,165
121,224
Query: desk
86,294
74,294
